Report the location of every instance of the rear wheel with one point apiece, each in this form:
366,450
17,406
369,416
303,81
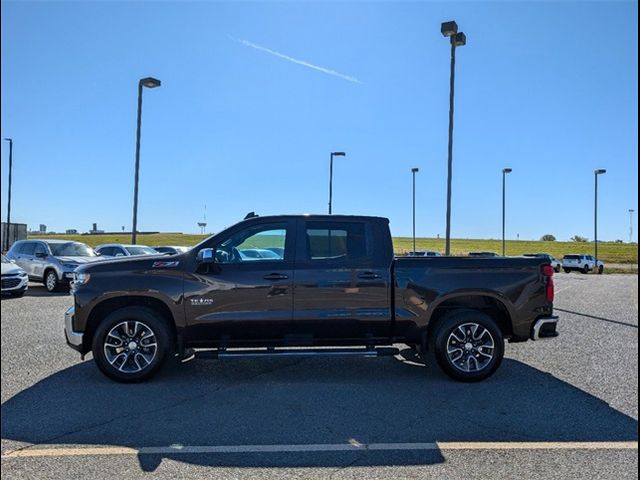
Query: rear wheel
557,269
131,344
567,270
468,346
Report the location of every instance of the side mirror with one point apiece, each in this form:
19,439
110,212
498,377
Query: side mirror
206,255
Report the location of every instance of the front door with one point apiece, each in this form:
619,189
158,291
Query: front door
342,282
247,294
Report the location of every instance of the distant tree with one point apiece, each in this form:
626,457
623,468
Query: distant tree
548,238
619,241
579,239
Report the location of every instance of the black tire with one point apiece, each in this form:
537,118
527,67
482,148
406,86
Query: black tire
151,321
444,334
600,269
585,269
557,269
51,281
567,270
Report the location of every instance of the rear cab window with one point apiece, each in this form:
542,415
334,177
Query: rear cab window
337,242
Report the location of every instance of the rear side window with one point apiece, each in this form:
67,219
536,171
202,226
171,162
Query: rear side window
572,257
27,248
337,241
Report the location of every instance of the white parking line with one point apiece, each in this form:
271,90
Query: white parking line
53,451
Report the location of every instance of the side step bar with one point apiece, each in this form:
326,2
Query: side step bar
297,352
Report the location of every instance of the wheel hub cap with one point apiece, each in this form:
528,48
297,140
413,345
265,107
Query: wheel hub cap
132,345
470,347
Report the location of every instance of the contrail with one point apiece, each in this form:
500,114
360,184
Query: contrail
328,71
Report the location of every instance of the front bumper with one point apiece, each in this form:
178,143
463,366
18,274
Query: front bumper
14,283
74,339
545,327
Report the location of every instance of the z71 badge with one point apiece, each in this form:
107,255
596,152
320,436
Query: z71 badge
201,301
165,264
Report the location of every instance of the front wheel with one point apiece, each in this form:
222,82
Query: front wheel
567,270
51,281
586,269
468,346
600,269
131,344
557,269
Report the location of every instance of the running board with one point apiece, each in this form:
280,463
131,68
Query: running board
298,352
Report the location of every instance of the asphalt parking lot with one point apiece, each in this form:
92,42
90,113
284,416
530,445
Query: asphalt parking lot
331,418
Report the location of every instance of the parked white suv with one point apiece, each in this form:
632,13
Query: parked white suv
582,263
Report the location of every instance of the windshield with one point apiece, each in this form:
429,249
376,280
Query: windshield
72,249
139,250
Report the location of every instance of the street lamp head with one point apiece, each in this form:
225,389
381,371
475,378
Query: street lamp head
600,171
460,39
449,28
150,82
507,170
338,154
415,170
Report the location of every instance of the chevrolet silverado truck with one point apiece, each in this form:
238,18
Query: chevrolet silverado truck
306,285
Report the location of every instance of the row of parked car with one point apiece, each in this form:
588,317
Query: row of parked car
53,262
569,263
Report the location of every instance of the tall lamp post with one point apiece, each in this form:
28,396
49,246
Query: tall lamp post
333,154
600,171
457,39
148,82
7,233
631,211
505,171
413,172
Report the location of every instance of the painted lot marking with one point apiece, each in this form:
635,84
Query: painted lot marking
325,447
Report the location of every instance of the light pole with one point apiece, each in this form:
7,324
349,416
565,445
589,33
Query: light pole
333,154
148,82
7,233
457,39
600,171
505,171
413,172
631,211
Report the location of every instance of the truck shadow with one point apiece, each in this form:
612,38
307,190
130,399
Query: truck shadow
310,401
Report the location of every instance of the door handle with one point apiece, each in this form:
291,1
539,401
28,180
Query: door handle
276,276
369,276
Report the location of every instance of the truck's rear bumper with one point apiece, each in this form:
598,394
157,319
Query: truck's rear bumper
545,327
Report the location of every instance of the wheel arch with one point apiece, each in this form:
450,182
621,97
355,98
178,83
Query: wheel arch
109,305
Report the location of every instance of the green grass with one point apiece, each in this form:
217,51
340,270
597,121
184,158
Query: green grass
607,252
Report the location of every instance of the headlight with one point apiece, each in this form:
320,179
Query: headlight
81,278
71,266
22,274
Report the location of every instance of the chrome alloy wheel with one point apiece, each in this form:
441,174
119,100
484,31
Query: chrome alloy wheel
51,281
470,347
130,346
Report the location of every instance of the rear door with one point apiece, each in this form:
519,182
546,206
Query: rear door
25,255
342,282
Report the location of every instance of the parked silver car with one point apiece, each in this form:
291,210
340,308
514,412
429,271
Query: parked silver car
120,250
171,249
15,280
51,262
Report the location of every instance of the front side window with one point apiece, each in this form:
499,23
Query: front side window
255,244
336,241
40,250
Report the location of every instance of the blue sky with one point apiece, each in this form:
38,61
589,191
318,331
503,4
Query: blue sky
546,88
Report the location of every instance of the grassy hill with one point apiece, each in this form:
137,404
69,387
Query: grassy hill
608,252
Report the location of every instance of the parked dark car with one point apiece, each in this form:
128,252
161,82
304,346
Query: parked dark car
171,250
556,264
336,285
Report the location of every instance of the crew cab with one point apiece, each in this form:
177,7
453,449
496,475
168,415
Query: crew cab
333,287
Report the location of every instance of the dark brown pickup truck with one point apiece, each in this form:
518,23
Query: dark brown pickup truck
306,285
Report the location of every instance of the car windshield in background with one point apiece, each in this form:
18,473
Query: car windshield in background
141,250
71,249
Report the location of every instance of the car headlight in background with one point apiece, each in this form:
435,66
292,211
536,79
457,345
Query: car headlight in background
81,279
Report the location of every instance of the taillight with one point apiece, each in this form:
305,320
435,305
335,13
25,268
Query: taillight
547,271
